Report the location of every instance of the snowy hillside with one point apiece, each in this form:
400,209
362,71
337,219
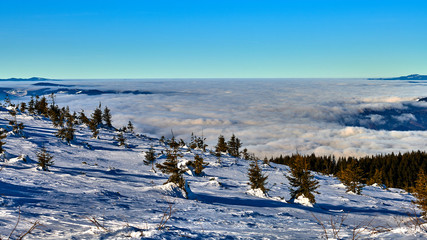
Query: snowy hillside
99,190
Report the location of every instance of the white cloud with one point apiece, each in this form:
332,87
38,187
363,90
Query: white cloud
271,117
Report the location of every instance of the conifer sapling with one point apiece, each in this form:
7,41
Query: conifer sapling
301,180
150,158
199,165
44,159
351,177
170,166
257,180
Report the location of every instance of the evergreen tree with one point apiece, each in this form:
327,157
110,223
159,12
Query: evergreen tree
173,143
7,102
67,132
198,165
221,146
55,116
97,116
83,119
2,136
377,178
420,192
197,142
41,106
301,180
233,146
130,127
106,116
31,107
257,180
23,107
351,177
44,159
121,139
94,128
192,144
245,154
170,166
150,157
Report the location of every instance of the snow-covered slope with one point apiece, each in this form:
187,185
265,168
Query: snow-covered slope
95,181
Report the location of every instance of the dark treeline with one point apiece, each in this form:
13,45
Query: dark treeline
392,170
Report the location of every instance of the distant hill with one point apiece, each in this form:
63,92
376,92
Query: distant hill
28,79
409,77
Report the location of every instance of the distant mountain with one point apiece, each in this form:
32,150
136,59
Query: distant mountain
409,77
28,79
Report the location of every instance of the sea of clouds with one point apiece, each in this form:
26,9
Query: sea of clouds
343,117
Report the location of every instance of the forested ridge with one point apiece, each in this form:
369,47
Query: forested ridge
392,170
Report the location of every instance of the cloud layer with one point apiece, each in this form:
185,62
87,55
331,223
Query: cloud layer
271,117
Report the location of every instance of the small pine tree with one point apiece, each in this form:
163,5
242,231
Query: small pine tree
106,116
377,178
83,119
221,146
199,165
233,146
41,106
23,107
150,157
257,180
44,159
130,127
7,101
245,154
67,132
93,127
121,139
420,192
97,116
193,143
301,180
2,136
170,166
351,177
31,107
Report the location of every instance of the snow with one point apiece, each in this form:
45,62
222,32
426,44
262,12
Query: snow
303,201
94,180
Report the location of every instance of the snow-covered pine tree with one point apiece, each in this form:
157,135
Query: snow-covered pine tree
150,157
257,180
351,177
44,159
420,192
106,116
301,180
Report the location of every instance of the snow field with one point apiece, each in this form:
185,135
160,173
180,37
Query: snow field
95,181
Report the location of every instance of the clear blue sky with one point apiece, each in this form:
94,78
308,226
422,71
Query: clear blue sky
204,38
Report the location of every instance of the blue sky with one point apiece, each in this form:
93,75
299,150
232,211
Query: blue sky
212,39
